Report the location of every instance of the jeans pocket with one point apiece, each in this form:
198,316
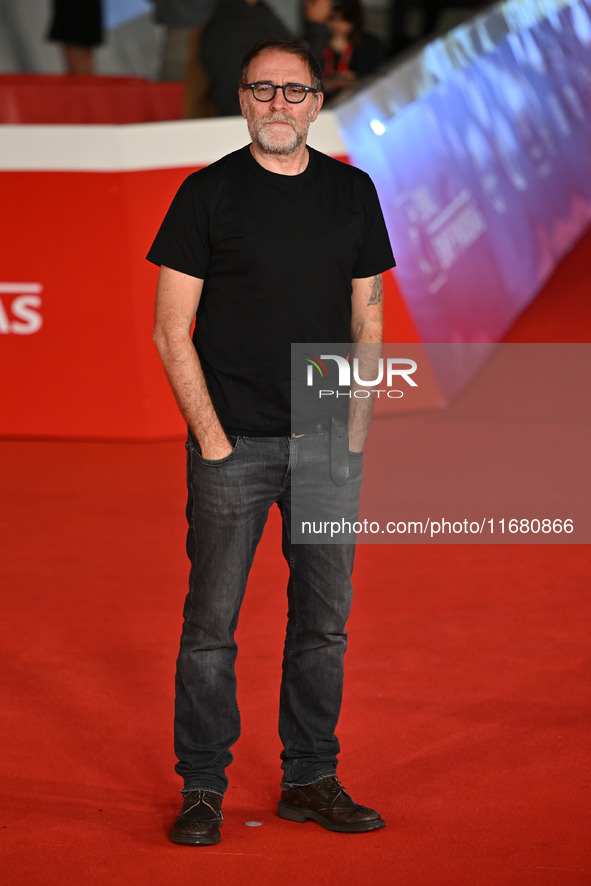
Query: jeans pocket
234,439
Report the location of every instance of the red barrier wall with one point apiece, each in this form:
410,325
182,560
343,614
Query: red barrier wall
55,98
82,362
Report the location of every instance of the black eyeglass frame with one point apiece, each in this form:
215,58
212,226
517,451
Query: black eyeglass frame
306,89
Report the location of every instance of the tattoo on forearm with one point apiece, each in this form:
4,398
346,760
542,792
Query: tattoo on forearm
375,295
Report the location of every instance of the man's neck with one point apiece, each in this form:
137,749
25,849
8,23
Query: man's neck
284,164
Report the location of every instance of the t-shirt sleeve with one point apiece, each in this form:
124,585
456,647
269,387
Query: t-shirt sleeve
182,243
375,255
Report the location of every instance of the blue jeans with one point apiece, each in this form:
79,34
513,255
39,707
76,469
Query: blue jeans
227,507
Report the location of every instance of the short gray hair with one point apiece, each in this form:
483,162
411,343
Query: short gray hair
285,44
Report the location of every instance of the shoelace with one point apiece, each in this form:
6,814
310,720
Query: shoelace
336,789
201,798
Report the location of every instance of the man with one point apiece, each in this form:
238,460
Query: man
272,244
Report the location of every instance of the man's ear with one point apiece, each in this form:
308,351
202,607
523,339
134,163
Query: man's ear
319,102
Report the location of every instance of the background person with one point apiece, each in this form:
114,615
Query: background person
351,52
78,26
184,21
234,27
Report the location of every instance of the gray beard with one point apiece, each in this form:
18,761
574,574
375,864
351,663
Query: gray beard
265,142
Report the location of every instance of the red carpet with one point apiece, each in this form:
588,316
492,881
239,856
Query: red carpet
467,709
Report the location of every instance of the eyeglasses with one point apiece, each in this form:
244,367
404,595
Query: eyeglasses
292,92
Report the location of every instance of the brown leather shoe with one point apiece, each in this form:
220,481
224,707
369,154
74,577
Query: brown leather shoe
326,802
200,819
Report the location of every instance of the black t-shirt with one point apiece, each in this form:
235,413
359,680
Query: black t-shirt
277,254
